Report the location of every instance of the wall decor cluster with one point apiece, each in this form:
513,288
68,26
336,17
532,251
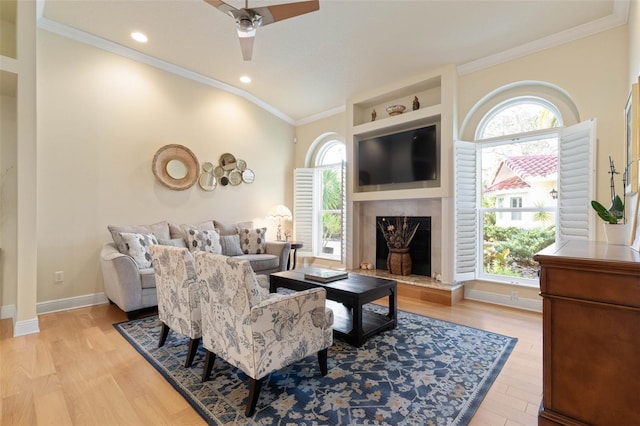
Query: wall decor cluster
175,166
229,171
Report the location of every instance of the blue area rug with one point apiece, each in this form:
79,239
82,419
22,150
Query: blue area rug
425,372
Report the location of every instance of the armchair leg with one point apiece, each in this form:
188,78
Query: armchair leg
254,393
209,359
163,335
322,360
193,349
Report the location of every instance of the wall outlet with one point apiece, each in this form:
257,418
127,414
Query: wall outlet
514,296
59,276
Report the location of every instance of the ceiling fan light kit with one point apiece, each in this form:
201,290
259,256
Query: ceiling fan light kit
248,20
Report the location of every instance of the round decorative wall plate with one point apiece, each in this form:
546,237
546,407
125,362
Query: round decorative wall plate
175,166
235,177
248,176
227,161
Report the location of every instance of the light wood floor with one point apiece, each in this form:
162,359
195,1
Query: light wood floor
79,371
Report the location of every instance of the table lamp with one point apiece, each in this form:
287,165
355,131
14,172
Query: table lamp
280,212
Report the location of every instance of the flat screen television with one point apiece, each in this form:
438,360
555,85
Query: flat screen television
399,158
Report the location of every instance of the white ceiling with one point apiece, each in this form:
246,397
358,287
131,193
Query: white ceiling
305,66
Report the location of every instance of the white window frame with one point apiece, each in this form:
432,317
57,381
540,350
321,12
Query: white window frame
574,220
307,202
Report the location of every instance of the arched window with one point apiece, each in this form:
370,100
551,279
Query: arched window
320,199
515,174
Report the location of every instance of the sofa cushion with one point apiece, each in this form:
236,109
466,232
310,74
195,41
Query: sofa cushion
148,278
261,262
207,240
230,245
160,230
231,228
138,247
174,242
181,230
253,240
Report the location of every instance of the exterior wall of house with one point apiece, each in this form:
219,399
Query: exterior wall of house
101,118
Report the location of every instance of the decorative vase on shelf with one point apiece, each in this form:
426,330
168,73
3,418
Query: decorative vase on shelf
616,233
399,261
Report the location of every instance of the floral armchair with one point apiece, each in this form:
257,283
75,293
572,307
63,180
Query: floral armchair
254,330
178,295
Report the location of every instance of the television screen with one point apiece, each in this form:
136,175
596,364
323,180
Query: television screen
408,156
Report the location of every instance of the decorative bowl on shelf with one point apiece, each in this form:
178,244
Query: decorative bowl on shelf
395,109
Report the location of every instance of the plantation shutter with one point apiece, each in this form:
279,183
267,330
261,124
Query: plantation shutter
343,241
576,171
466,213
303,202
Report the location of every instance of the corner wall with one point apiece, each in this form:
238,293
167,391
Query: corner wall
592,71
101,118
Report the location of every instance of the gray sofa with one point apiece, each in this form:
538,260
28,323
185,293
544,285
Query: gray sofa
129,279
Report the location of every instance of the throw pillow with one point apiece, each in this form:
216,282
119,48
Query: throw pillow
230,245
253,241
207,240
182,230
159,230
138,247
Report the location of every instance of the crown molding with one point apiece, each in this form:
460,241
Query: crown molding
618,17
118,49
321,115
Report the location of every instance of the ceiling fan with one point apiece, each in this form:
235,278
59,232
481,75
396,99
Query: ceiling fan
248,20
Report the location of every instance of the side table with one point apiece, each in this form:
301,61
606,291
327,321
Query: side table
294,246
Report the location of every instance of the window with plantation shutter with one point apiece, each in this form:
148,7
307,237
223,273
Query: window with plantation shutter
575,189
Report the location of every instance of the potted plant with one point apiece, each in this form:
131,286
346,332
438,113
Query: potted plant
615,228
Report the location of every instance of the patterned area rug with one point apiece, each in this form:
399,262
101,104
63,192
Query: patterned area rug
425,372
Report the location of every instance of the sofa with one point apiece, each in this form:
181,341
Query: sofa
127,271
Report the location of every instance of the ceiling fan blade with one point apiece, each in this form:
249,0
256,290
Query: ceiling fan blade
246,44
278,12
222,6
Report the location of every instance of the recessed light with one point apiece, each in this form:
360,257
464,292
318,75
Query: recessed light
138,36
245,79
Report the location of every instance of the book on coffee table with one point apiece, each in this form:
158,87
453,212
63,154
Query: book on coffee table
326,276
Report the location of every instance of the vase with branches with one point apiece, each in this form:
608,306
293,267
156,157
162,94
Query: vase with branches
398,235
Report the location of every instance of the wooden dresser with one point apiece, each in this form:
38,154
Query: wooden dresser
591,334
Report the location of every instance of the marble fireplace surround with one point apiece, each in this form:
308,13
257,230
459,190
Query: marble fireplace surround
366,223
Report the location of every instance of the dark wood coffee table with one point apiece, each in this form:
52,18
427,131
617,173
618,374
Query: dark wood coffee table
351,322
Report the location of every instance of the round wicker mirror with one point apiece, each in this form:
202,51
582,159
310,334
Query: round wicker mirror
166,160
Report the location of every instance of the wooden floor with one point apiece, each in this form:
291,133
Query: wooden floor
79,371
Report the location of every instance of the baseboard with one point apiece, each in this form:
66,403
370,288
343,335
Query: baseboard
23,328
534,305
7,311
71,303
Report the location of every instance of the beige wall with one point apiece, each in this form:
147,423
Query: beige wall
592,71
634,41
307,134
101,118
8,201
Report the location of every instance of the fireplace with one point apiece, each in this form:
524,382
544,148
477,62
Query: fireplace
419,249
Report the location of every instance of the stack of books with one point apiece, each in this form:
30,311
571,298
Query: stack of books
326,276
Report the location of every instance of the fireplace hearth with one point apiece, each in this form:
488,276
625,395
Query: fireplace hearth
419,248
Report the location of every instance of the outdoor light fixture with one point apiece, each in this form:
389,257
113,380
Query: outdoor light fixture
554,194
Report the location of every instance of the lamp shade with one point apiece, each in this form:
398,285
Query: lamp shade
280,212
